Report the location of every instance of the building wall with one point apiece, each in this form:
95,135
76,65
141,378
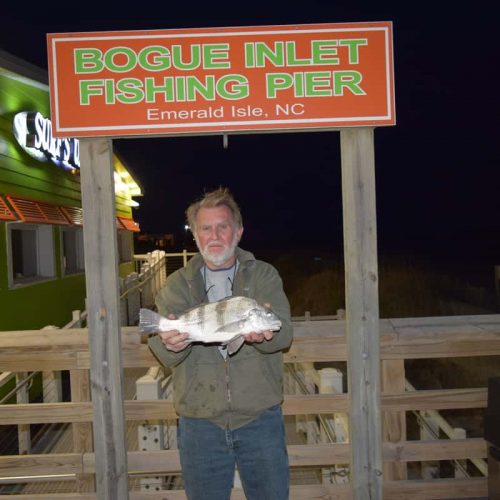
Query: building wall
48,302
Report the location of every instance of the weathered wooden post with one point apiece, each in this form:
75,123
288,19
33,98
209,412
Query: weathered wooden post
103,306
362,314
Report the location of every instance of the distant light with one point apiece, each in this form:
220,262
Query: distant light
186,227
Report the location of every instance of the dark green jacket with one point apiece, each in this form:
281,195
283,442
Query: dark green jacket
234,391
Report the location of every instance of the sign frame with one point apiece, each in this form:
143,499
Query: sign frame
311,69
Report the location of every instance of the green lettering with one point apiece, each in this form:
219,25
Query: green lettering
194,86
130,90
166,88
277,81
262,52
249,55
177,57
291,56
349,80
353,48
154,58
88,60
110,91
113,56
216,56
323,50
180,85
232,87
316,80
89,88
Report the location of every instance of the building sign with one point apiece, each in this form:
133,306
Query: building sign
33,132
319,76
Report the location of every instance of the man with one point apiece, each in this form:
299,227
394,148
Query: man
229,405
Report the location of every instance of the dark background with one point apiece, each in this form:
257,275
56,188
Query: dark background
437,170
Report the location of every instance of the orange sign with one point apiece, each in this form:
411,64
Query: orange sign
214,80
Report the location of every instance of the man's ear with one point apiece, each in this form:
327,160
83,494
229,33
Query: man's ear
239,233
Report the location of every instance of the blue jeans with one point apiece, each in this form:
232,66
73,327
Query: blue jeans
209,455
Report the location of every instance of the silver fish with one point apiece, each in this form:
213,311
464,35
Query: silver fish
224,322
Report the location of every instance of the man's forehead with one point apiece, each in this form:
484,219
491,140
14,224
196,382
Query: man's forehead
215,214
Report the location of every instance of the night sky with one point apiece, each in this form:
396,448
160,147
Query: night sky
437,170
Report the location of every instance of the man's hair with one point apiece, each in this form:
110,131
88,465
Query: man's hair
219,197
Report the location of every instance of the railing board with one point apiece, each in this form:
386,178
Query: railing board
167,461
439,399
38,465
34,350
41,413
436,489
442,449
410,490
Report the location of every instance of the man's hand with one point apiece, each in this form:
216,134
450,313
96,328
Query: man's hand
173,340
258,337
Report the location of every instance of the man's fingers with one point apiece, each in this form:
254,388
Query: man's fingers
173,340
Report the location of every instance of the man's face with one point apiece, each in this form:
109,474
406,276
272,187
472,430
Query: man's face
217,236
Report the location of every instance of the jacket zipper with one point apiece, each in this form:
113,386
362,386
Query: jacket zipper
228,389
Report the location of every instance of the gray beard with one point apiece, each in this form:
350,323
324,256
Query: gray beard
218,259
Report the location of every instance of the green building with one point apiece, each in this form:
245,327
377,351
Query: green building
42,275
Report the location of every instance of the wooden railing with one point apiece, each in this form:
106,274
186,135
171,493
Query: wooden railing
315,342
139,288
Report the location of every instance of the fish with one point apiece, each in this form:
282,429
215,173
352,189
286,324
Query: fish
223,322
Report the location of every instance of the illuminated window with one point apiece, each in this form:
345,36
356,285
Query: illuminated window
31,253
72,250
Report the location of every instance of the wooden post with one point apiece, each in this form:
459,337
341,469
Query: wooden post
394,422
150,432
23,430
103,306
82,431
362,314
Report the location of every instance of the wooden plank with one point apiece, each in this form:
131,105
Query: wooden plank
362,314
39,350
410,490
394,422
167,461
38,465
103,306
82,432
443,399
442,449
437,489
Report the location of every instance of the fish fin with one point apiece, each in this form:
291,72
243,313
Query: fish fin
234,327
235,344
149,321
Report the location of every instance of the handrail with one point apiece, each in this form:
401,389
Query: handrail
481,464
18,386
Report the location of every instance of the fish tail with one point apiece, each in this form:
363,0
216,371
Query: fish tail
149,321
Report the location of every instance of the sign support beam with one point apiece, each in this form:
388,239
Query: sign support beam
362,311
103,306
